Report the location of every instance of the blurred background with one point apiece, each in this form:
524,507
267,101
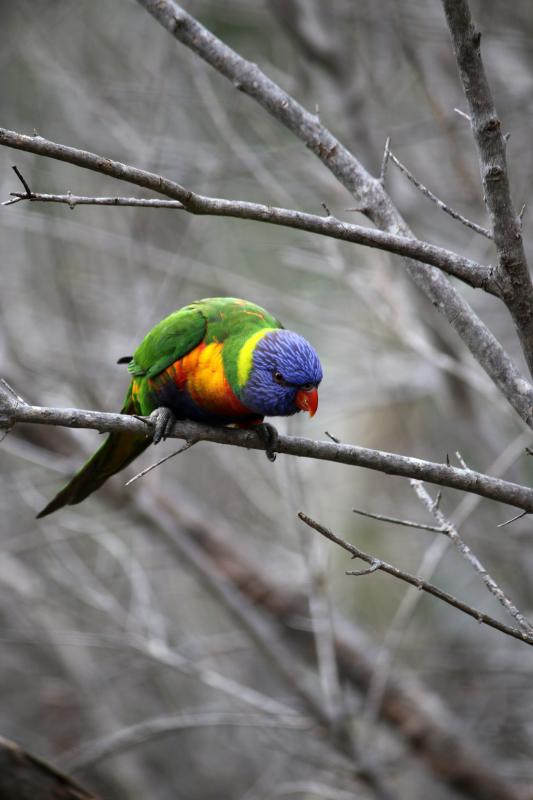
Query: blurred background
176,638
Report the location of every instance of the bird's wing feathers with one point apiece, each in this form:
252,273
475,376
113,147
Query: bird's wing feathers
213,319
169,340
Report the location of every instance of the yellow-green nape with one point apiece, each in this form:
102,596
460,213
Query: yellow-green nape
246,354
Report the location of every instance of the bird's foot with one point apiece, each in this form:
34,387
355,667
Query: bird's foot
269,436
163,421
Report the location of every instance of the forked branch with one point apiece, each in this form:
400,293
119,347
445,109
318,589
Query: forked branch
476,275
424,586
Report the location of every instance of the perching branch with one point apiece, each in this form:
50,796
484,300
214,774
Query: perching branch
468,480
383,566
471,272
512,270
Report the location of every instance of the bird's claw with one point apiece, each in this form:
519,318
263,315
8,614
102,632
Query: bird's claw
269,436
163,421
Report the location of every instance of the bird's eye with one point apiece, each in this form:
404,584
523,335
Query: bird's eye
278,377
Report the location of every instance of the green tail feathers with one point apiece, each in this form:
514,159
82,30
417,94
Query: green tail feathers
118,450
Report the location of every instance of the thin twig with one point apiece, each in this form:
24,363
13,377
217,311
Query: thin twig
396,521
482,618
372,568
463,114
12,392
438,202
188,444
513,519
73,200
461,460
23,181
385,162
473,560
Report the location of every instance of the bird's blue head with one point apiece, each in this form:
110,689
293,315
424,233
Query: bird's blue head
284,376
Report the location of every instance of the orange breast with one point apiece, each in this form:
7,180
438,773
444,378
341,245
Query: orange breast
201,374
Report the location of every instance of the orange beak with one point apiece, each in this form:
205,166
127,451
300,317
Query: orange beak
307,401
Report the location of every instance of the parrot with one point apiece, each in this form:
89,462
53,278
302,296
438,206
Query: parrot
221,361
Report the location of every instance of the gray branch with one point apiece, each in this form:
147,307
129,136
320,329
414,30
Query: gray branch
471,272
93,752
467,480
74,200
23,776
453,534
370,195
512,271
429,588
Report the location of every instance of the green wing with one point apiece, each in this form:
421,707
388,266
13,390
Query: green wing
170,339
222,319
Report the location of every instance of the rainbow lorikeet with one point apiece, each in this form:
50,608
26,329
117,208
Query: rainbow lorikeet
220,361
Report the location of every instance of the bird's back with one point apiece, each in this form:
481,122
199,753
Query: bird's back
194,360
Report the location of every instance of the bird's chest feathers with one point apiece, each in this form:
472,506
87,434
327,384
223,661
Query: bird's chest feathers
200,374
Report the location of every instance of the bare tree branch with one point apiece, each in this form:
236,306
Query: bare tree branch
471,272
91,753
74,200
25,777
377,564
370,195
391,463
453,534
512,271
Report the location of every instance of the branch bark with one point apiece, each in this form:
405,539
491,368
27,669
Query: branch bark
25,777
467,480
476,275
512,272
